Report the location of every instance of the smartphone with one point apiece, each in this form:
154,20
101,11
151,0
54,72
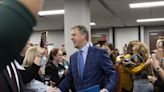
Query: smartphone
43,39
153,54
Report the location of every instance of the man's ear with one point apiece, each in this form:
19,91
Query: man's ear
85,36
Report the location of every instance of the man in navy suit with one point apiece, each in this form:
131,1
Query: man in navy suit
96,69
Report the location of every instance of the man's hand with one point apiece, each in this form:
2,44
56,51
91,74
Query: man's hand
57,90
51,89
152,79
103,90
155,63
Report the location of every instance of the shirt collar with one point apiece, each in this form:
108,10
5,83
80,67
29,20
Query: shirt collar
85,48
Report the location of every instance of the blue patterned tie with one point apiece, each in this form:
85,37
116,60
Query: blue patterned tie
81,63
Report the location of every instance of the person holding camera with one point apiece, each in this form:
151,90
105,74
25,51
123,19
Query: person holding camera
157,62
136,68
158,79
32,55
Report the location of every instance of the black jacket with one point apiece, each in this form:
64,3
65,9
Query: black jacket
53,71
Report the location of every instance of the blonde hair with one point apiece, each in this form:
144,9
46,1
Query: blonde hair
29,56
141,49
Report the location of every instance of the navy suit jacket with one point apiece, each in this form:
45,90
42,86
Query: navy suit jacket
98,71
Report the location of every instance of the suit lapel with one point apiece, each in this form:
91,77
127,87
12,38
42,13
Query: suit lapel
76,66
88,59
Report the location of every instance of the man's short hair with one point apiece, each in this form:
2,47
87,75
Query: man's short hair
83,30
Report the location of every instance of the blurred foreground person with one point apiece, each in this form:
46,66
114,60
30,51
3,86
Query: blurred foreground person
24,13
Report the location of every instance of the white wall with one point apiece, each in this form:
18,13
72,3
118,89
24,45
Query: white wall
122,36
125,35
57,37
54,37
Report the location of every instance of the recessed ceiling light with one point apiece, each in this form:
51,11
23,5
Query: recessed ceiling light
147,4
51,12
150,20
55,12
92,23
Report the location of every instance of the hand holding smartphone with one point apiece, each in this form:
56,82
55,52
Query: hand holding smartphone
153,54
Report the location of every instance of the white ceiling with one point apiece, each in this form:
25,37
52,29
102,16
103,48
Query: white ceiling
105,13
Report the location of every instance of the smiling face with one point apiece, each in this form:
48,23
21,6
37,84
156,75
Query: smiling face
78,38
58,57
159,43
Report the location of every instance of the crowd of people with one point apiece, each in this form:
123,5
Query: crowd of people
28,68
138,68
